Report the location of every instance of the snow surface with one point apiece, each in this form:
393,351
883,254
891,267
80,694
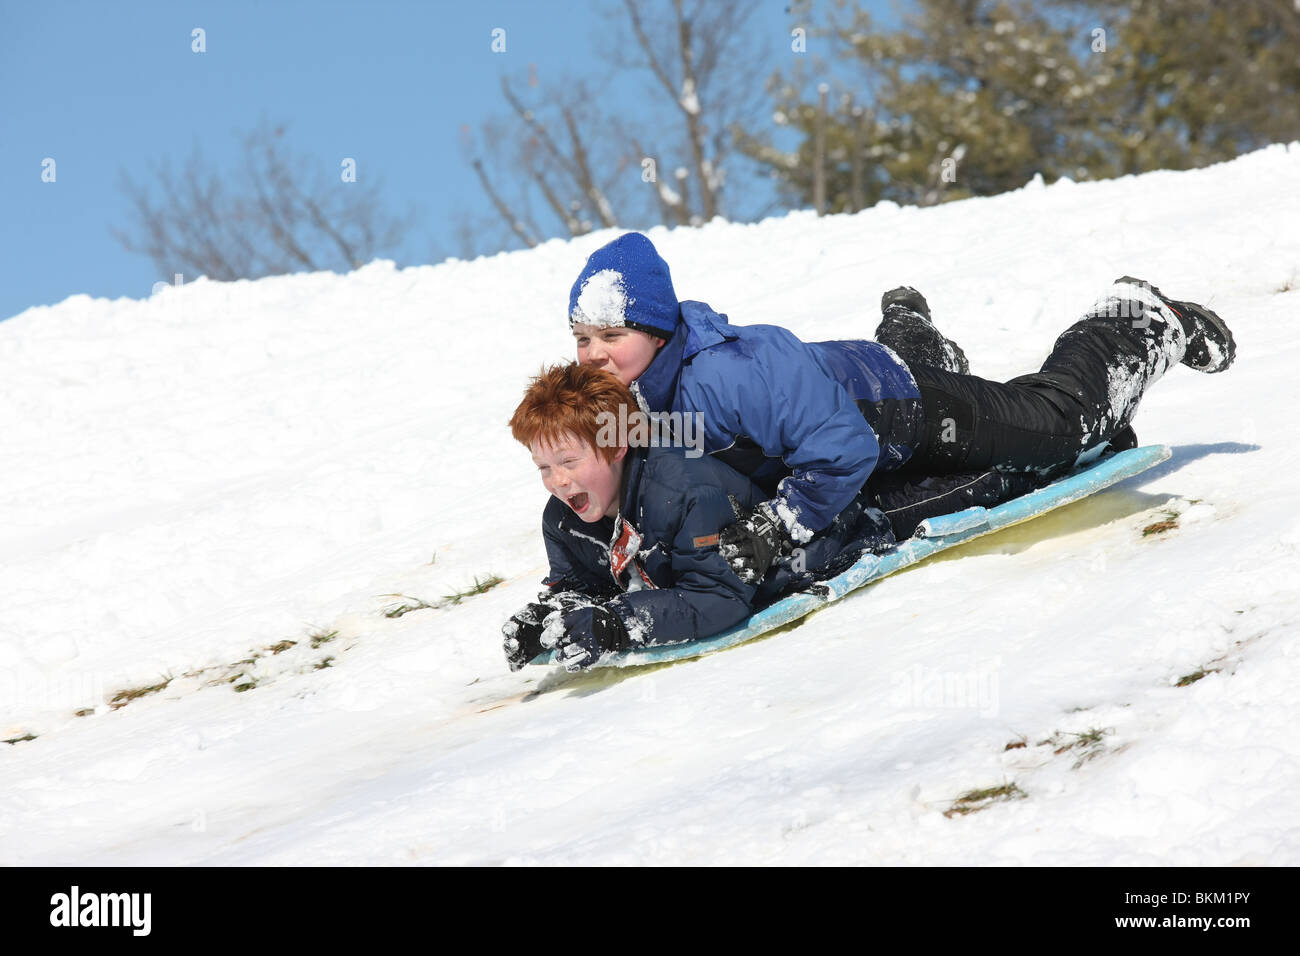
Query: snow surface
191,479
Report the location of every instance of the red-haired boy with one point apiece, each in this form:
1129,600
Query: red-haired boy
631,530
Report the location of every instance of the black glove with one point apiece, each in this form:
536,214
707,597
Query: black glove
753,543
588,633
523,635
565,601
523,632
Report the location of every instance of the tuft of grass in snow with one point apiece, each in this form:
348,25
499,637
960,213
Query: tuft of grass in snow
972,801
410,604
478,587
124,697
227,678
1087,745
18,740
235,673
1159,527
1170,519
1216,665
322,637
1188,679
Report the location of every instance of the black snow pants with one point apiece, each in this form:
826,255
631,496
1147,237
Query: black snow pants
1086,392
984,442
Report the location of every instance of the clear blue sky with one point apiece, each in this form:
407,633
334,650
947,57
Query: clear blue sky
104,86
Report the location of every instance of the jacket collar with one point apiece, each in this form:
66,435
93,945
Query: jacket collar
700,328
630,488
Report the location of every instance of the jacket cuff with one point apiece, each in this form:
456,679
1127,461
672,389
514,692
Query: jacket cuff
787,516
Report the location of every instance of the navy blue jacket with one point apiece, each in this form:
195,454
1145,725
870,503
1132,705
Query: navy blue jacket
808,421
681,588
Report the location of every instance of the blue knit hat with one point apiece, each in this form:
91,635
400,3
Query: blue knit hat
626,283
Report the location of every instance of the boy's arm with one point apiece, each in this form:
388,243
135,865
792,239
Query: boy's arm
800,414
571,582
569,569
706,596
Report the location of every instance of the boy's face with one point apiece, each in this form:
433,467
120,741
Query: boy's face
573,472
624,352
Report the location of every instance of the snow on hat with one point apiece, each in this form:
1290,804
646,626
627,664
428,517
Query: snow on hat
626,283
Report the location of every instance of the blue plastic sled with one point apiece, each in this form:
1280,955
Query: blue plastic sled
934,535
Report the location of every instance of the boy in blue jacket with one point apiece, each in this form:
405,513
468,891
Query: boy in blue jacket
632,529
811,422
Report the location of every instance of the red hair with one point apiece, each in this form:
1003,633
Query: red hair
565,400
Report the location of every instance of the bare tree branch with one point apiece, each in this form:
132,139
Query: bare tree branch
516,226
589,188
582,163
537,129
634,16
289,216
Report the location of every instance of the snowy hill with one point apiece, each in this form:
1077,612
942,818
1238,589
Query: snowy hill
195,480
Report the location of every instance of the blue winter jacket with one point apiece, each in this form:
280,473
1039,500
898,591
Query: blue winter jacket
808,421
680,587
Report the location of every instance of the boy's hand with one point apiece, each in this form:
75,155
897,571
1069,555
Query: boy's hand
587,633
566,601
753,543
523,635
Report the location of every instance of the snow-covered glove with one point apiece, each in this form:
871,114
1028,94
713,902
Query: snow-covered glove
753,543
566,601
523,634
582,636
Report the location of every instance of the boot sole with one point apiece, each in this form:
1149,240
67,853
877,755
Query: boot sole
1223,343
910,299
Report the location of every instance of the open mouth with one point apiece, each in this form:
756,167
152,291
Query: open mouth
578,502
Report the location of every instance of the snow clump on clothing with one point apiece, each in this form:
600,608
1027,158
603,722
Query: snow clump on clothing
603,300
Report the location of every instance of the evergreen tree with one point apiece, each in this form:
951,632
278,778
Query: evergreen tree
973,97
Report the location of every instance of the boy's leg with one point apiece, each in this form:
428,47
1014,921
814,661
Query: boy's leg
906,328
1086,393
907,500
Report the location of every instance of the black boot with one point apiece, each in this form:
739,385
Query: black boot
1210,346
1124,439
906,327
908,298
